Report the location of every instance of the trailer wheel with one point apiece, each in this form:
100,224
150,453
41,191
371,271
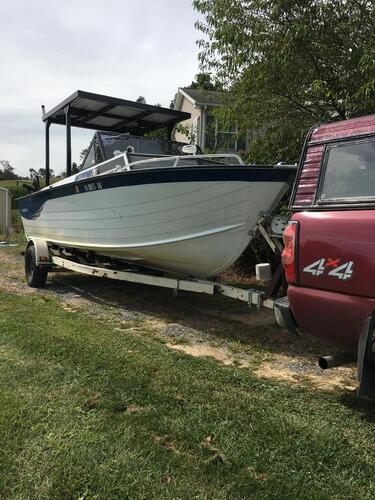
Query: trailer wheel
36,276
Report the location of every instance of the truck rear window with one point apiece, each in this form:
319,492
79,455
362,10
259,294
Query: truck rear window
349,172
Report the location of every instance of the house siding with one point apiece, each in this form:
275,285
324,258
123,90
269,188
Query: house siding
200,104
188,107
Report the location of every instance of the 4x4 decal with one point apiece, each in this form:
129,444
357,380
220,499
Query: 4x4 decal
331,267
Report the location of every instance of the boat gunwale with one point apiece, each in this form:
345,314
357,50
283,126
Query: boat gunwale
165,170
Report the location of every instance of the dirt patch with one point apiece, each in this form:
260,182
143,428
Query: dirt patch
166,443
11,285
282,368
300,370
231,276
209,351
173,330
215,454
133,408
251,317
259,476
12,274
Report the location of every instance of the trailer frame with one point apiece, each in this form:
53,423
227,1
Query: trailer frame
253,298
46,262
42,257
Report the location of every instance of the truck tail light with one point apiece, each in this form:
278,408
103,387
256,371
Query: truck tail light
289,255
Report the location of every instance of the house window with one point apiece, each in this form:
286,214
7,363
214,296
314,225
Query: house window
222,140
210,132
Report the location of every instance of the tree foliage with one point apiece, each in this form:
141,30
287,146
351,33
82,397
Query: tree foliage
41,172
7,171
202,81
205,81
290,63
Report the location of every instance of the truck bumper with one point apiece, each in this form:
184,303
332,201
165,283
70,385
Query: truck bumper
335,318
353,316
284,316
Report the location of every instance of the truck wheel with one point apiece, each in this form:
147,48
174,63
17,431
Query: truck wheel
36,277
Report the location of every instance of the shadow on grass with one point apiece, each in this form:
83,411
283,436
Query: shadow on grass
214,316
363,406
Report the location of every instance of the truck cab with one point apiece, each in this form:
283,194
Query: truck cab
329,254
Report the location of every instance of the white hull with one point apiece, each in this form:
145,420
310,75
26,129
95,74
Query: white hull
194,228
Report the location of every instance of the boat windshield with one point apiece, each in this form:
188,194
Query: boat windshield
141,162
112,144
105,146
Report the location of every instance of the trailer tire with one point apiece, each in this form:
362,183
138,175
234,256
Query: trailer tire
36,276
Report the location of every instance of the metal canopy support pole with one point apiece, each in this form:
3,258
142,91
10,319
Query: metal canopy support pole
68,142
48,124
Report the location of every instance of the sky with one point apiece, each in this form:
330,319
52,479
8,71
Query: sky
50,48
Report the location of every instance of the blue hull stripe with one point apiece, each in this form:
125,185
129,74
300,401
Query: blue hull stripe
31,205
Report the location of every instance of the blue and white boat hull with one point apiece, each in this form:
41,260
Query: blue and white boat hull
194,221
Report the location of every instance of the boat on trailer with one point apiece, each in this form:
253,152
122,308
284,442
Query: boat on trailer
148,202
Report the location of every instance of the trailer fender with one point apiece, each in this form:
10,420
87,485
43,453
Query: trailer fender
42,256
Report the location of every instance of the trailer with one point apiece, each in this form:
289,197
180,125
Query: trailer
42,257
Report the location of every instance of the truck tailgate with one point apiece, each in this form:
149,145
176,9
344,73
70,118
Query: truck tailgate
337,251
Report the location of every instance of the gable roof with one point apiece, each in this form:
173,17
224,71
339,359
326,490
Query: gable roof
199,97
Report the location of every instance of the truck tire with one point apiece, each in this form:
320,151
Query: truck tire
36,277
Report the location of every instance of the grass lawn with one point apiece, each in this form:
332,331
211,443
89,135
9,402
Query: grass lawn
90,411
9,183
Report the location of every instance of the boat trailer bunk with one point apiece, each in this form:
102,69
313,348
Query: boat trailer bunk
42,258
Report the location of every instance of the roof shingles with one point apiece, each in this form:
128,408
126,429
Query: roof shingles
201,96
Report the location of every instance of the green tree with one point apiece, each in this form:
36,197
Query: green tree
7,171
204,81
42,172
32,173
288,64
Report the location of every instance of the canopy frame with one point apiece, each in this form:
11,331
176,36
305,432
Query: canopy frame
107,114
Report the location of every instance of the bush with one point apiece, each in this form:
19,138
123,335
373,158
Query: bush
17,222
16,192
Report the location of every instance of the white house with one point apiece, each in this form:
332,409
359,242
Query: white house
202,128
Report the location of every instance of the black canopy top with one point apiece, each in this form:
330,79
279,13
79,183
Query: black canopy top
100,112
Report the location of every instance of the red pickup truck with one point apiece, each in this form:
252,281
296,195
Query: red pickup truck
329,254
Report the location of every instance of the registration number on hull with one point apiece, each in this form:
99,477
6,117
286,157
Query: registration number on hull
89,187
